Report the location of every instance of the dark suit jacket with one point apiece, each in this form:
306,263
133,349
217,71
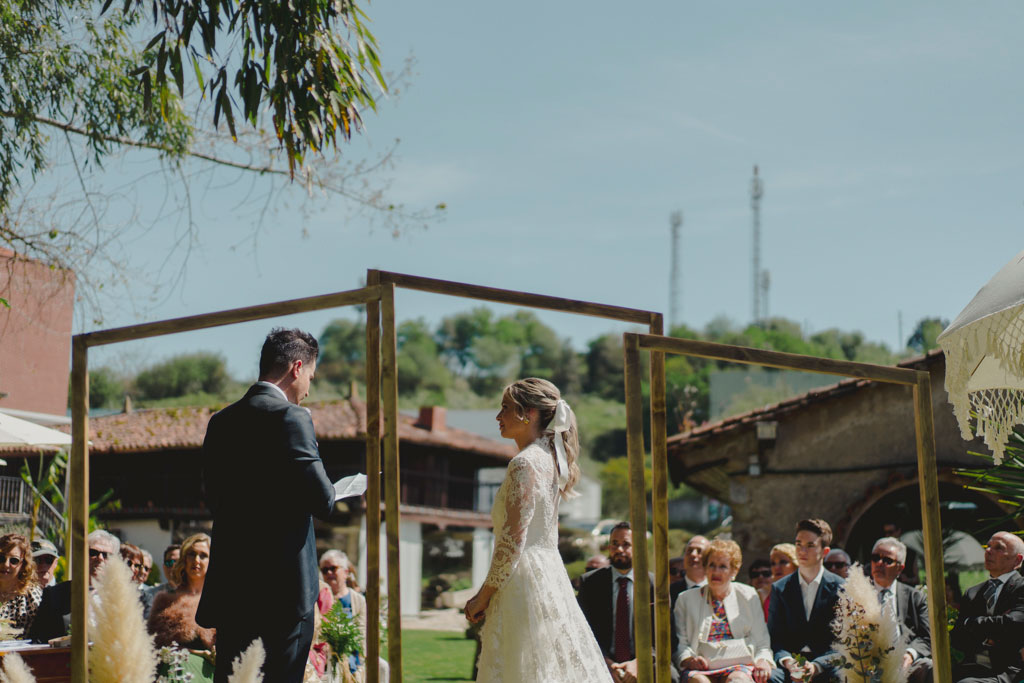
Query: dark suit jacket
595,598
788,625
264,481
53,618
912,610
1005,628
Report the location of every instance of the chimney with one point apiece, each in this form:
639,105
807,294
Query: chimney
128,404
432,418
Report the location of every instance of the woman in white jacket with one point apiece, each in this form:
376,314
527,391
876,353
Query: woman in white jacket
722,633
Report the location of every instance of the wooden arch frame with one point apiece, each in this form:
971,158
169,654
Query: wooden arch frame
654,322
373,297
658,346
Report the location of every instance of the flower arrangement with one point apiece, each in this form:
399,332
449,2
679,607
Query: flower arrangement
342,633
171,666
868,648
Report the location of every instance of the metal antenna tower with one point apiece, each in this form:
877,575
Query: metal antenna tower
757,279
675,220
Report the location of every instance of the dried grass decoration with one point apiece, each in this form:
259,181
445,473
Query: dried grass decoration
342,633
15,670
247,666
866,641
122,650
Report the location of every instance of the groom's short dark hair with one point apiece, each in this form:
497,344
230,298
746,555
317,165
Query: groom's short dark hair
620,525
283,346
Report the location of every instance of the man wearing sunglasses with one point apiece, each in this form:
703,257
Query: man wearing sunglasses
905,604
990,627
265,480
54,616
171,555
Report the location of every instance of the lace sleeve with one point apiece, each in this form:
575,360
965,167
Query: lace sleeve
520,500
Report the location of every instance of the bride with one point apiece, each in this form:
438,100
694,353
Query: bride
534,629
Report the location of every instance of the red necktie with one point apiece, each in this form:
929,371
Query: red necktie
621,651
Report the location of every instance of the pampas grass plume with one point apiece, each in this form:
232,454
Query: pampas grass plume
15,670
122,649
856,611
246,667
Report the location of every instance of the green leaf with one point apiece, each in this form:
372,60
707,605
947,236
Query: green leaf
4,303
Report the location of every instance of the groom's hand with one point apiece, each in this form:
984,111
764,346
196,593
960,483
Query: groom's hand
625,671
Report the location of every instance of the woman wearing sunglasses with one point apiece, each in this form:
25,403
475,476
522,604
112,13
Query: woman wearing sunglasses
19,594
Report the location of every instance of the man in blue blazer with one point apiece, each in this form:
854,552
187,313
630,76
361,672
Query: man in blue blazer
264,482
802,607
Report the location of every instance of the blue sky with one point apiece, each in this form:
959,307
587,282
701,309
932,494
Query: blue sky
561,136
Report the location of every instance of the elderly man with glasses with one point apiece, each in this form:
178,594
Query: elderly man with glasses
904,604
45,555
54,616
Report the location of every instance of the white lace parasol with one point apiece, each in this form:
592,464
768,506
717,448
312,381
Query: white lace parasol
984,350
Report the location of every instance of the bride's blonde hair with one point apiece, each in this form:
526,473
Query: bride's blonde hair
543,396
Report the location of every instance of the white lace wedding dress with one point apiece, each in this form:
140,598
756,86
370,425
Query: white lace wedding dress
534,629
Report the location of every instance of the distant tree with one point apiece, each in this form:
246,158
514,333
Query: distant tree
922,339
343,352
185,374
605,367
419,361
456,335
106,388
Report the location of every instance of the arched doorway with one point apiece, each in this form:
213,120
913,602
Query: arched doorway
962,509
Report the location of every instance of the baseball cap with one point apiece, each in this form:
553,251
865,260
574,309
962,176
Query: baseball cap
42,547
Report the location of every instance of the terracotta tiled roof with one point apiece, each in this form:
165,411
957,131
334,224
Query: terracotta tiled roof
775,410
174,428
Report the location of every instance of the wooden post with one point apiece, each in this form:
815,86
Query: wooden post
931,525
392,499
659,512
79,508
638,512
373,488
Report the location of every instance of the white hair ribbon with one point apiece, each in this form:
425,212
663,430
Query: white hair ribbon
560,424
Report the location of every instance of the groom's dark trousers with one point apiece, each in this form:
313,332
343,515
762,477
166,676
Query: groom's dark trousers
264,482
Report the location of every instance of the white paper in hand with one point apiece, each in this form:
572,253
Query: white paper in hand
347,487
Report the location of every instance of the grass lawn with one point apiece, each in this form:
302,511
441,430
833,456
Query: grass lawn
436,656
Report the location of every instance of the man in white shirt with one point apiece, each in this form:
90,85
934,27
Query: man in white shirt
905,604
990,627
801,608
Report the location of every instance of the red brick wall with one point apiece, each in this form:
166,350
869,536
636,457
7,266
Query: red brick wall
35,335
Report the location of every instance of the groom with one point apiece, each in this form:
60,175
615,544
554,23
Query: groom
264,480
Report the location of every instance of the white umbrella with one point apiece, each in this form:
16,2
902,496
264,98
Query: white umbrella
984,350
17,432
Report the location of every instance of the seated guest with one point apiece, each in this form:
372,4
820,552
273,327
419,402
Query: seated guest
334,567
760,574
606,599
783,562
802,606
838,562
147,566
172,621
132,556
19,593
722,634
990,627
692,576
45,555
171,555
783,559
54,616
905,604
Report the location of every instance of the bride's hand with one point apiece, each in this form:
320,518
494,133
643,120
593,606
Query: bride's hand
476,607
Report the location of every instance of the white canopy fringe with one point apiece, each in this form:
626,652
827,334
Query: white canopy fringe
984,350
